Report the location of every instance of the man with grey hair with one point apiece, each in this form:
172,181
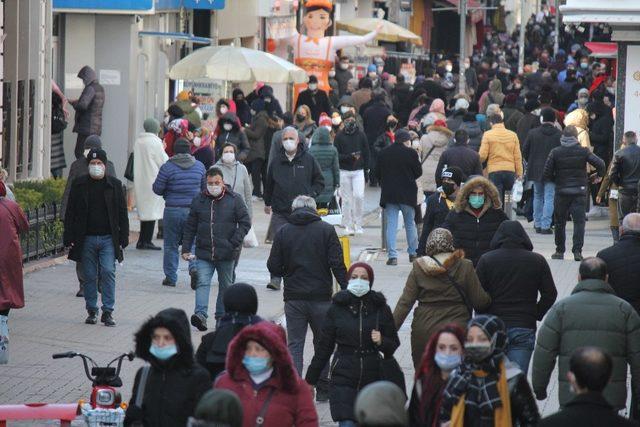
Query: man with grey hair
625,173
292,172
306,252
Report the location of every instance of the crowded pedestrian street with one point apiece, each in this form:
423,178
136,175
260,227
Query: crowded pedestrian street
301,213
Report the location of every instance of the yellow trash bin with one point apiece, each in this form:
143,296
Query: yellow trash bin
346,255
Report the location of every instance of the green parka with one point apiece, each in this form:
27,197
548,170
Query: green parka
327,157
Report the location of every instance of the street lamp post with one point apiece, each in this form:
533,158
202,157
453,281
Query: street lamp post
463,24
523,24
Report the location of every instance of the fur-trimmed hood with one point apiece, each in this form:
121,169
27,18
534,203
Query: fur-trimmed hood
273,338
442,129
449,260
175,320
491,195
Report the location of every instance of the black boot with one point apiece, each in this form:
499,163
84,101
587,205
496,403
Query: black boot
92,319
107,319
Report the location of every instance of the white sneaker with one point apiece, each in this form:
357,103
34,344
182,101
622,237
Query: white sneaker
348,231
359,230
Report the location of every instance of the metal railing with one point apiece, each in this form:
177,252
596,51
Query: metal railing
44,237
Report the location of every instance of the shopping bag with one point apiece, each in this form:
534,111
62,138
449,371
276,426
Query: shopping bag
4,340
516,191
332,215
250,240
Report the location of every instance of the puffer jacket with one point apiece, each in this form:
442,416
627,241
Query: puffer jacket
217,225
347,328
473,233
537,147
473,128
500,148
580,119
88,107
235,136
174,387
591,316
256,134
432,145
180,180
625,171
623,267
438,300
327,157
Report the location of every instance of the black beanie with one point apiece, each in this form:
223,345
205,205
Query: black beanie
219,407
240,298
182,146
454,173
97,153
402,136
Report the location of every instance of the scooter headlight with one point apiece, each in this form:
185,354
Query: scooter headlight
105,397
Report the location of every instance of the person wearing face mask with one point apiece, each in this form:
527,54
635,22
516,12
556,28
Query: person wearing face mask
471,77
259,370
217,223
336,123
236,175
446,288
79,168
96,228
582,100
487,389
203,149
379,136
243,110
326,155
172,382
317,100
343,75
183,100
357,327
440,203
441,356
257,133
304,123
228,130
475,217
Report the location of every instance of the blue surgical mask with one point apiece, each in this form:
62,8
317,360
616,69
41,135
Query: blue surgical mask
256,365
358,287
163,353
447,362
476,201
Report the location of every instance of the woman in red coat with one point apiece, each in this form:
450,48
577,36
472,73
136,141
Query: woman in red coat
13,222
260,371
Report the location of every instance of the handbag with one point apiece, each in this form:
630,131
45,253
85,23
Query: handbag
58,121
458,288
128,171
265,406
4,340
389,368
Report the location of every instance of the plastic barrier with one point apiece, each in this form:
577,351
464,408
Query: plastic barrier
64,412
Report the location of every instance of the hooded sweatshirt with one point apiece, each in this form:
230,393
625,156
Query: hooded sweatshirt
513,275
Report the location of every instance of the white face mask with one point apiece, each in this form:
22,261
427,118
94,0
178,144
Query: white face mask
344,109
332,73
344,65
380,69
328,128
197,141
227,126
448,67
467,65
85,152
336,121
358,287
313,86
96,171
289,145
214,190
373,75
415,144
228,157
223,109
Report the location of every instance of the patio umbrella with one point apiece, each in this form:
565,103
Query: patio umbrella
389,32
236,64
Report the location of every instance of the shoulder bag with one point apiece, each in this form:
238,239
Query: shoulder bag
389,368
128,171
265,406
139,397
458,288
428,154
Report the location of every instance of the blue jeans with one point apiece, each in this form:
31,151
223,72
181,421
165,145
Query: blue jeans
391,216
543,194
98,254
347,423
520,346
173,220
205,274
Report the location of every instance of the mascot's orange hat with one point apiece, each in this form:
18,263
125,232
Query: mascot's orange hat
323,4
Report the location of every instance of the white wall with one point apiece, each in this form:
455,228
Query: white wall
238,19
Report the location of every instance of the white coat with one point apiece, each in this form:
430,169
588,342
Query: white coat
148,156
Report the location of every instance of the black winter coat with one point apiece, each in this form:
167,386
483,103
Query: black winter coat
77,212
473,128
287,180
375,120
601,134
235,136
217,226
347,329
318,102
437,211
397,170
566,166
305,252
625,172
401,96
462,156
455,121
513,276
88,120
348,145
173,387
586,410
537,147
528,122
623,266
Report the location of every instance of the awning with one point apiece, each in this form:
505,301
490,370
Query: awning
602,50
476,15
190,38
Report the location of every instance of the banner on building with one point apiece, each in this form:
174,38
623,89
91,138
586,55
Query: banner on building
632,89
207,91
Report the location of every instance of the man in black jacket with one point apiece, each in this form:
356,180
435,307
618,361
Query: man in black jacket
292,173
461,156
567,168
513,275
590,369
625,173
397,170
314,98
218,221
539,143
306,252
96,228
401,94
375,120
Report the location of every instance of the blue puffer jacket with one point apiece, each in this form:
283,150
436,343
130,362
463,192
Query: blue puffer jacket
180,180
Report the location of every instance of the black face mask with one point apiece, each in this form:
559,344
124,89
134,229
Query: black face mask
350,127
448,188
300,117
392,125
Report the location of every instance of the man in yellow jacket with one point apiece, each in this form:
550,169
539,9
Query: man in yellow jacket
500,148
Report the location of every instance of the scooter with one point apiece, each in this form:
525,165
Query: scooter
105,407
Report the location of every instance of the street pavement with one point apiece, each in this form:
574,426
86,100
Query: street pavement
52,320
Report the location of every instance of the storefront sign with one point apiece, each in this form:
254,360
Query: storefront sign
632,89
110,77
281,27
133,5
207,91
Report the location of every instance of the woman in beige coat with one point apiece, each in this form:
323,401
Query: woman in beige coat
433,283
